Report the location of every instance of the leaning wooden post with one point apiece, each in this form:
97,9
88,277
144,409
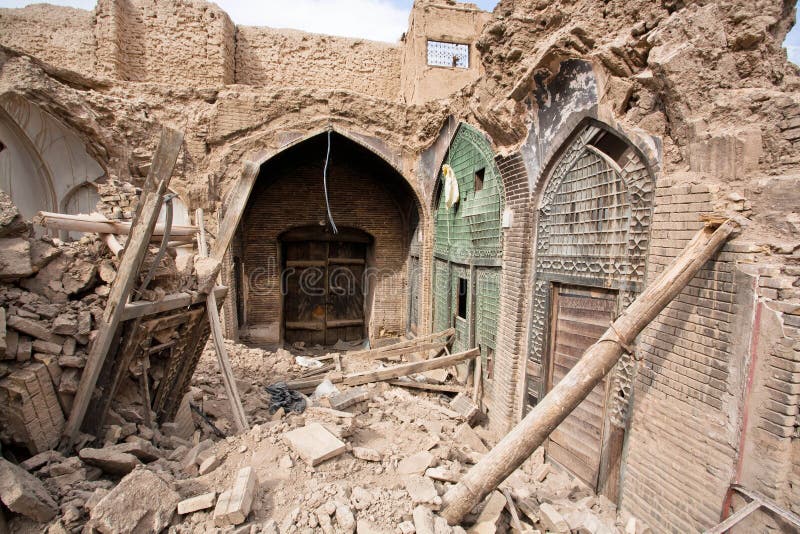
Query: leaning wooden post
239,416
135,249
595,363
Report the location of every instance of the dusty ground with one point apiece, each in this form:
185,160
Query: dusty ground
343,494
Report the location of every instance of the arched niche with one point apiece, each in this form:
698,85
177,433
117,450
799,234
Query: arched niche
592,232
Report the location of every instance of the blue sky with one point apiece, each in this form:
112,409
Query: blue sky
382,20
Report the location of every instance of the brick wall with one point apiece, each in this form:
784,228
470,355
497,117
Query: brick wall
683,431
62,36
509,356
289,193
289,58
183,42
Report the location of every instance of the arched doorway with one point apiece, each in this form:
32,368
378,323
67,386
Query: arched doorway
286,220
592,235
468,248
325,284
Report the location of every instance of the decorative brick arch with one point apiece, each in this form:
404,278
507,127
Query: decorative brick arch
607,251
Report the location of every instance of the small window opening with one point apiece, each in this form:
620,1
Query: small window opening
610,144
479,175
444,54
462,298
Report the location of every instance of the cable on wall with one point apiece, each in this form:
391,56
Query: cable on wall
325,184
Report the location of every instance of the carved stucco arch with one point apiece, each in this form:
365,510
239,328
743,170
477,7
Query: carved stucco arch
625,273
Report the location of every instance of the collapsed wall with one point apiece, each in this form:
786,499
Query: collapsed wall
699,92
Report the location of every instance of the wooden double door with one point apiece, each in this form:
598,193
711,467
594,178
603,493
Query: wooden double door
578,317
324,285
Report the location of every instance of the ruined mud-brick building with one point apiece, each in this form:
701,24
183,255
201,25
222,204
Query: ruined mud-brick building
586,139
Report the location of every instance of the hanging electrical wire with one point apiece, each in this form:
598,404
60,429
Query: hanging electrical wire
325,183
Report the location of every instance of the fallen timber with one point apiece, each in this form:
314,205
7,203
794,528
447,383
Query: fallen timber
98,224
596,363
135,249
388,373
408,346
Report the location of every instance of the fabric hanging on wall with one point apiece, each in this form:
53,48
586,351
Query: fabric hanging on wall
450,186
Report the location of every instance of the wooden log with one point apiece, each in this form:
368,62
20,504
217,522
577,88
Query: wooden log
595,363
228,379
135,249
100,225
113,245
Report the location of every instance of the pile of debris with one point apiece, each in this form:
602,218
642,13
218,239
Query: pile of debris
380,463
52,295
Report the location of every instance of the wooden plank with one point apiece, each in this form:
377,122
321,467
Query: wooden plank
388,373
411,368
740,514
512,510
448,388
229,380
113,372
170,302
234,209
135,249
403,345
768,504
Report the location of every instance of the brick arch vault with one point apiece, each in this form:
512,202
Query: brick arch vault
369,197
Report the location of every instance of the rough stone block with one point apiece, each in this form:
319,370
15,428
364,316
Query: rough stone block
209,464
24,494
143,450
350,397
314,443
422,491
416,464
365,453
15,259
552,520
466,436
34,329
490,515
141,502
423,520
110,460
197,503
464,406
235,504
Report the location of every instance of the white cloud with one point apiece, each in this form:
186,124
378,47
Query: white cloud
378,20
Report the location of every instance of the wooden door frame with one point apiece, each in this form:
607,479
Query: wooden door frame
612,438
318,233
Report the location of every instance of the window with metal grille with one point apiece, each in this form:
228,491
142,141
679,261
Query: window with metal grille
441,54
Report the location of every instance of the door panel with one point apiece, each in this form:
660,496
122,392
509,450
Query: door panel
324,291
579,316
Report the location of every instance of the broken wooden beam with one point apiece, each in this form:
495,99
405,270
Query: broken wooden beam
413,384
170,302
596,363
402,346
387,373
98,224
228,378
135,249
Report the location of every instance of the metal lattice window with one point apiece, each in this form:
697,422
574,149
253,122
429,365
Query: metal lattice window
442,54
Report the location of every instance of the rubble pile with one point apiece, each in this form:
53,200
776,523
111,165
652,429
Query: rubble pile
380,466
52,295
